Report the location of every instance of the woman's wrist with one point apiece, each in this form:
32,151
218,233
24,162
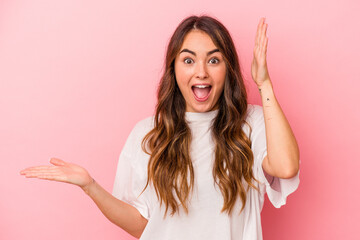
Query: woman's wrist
87,188
265,88
265,84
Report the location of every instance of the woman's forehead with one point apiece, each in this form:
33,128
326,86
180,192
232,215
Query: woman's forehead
198,41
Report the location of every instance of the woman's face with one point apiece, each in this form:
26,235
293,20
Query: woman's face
200,72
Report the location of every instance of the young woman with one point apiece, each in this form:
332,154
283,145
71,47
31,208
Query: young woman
200,167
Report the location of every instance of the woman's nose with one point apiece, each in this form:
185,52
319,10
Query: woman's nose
201,71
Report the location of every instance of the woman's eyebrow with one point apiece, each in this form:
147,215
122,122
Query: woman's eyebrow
193,53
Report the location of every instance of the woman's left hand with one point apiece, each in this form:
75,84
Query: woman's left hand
259,70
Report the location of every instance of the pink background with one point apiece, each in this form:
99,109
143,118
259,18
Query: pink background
75,76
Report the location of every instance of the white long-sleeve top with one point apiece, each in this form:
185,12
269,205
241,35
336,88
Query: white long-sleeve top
204,220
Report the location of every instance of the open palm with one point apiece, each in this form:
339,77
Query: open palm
259,70
61,171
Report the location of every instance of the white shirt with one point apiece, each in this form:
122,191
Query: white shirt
204,220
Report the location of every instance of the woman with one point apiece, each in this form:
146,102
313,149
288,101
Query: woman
200,167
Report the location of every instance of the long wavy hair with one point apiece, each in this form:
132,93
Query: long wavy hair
170,168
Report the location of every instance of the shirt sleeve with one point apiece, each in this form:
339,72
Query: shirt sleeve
129,180
276,188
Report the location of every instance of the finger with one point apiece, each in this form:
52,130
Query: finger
57,162
266,44
32,172
260,39
50,177
262,33
39,168
258,31
266,27
263,38
43,175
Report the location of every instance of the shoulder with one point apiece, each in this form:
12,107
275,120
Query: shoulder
142,127
254,114
134,140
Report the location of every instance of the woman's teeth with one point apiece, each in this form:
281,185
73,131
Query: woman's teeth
201,86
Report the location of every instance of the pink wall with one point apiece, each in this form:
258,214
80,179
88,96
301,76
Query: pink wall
75,76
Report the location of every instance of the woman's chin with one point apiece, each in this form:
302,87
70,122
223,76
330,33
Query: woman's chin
201,108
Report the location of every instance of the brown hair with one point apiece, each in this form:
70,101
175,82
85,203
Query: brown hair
170,169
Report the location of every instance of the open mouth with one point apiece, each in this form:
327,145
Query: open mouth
201,92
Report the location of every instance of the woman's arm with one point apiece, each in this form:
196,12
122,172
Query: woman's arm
282,159
120,213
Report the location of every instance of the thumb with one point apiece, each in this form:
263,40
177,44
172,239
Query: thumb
57,162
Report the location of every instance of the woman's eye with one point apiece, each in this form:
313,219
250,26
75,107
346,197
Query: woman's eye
214,60
188,61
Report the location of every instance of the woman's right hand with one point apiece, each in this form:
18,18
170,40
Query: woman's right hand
120,213
61,171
